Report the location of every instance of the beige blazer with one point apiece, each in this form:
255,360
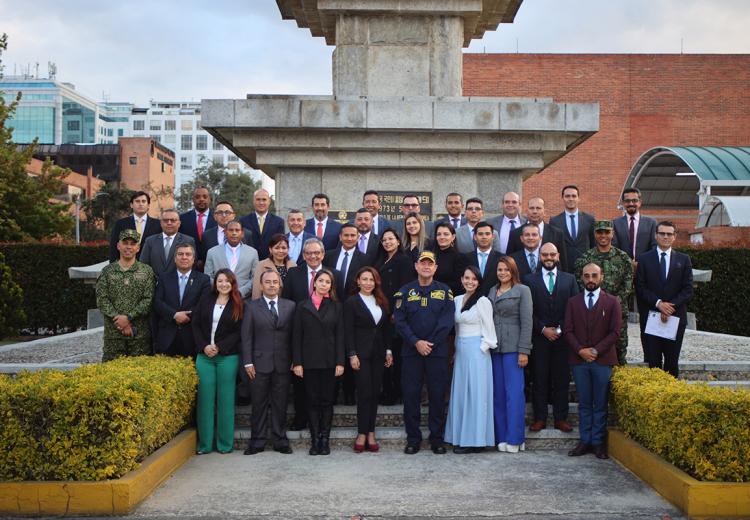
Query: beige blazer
265,265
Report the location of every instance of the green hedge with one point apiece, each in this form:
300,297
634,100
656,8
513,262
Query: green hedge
721,304
702,430
94,423
53,303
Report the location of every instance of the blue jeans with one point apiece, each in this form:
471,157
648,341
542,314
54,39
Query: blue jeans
592,384
508,398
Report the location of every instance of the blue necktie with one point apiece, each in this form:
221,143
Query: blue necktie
345,265
183,283
482,262
573,230
532,262
663,267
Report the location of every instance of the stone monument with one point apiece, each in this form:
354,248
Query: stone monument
396,120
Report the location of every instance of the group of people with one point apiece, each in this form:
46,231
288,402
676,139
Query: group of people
372,310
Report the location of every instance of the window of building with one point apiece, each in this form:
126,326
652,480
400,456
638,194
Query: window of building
232,158
133,161
156,138
218,160
218,145
198,125
170,139
186,125
110,132
201,142
139,124
170,125
185,163
186,142
120,132
33,122
154,125
74,126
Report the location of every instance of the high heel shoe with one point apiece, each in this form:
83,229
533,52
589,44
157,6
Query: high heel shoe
373,447
359,448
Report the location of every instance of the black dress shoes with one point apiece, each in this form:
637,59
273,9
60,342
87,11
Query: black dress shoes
286,450
252,450
297,427
600,451
325,447
411,449
462,450
438,449
581,449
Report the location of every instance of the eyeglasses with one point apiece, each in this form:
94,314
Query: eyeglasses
170,220
312,253
224,213
631,201
664,234
410,205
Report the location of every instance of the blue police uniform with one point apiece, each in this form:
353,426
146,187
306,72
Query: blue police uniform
424,313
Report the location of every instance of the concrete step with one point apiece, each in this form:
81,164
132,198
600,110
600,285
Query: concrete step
394,438
715,370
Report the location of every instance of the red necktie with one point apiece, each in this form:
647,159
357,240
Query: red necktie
319,231
200,226
312,279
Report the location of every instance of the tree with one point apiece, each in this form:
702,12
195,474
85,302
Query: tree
103,210
26,210
12,317
224,184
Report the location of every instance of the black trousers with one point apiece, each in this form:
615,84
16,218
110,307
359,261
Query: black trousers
415,368
320,385
392,375
269,390
550,372
664,353
368,379
300,402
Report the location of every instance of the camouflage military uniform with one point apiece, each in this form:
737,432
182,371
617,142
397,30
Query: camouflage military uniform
618,281
129,292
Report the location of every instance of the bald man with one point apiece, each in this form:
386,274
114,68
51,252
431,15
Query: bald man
262,223
509,220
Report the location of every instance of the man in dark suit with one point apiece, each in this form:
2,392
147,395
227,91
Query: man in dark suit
295,221
262,223
527,259
194,222
592,325
214,236
298,288
484,256
371,202
321,225
139,220
454,206
368,241
175,296
634,233
410,204
577,227
267,357
551,288
664,284
535,214
158,250
509,220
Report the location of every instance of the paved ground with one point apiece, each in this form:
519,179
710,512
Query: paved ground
540,484
85,347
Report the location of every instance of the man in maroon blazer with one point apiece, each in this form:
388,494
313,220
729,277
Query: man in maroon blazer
592,327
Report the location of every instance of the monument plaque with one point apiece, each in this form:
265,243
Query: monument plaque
396,120
390,203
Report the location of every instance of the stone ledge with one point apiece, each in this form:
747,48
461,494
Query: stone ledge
697,499
108,497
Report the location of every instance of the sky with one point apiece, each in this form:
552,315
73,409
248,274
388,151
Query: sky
188,50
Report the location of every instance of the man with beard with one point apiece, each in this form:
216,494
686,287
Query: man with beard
368,241
634,233
196,221
551,288
593,321
321,225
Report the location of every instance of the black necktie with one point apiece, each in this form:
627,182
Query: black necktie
631,234
591,300
274,312
345,265
663,267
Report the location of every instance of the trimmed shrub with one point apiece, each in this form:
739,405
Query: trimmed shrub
94,423
720,305
12,316
705,431
52,302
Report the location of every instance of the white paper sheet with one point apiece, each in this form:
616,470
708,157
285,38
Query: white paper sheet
656,327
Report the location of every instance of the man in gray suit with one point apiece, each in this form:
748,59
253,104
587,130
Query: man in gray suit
158,250
577,227
267,357
634,233
240,258
465,234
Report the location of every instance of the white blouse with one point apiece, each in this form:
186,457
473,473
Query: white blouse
218,310
372,306
477,321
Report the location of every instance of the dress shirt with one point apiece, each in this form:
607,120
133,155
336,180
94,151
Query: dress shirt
220,235
311,274
315,226
545,275
534,252
637,221
541,228
258,217
218,310
267,300
659,251
596,297
375,225
479,258
295,245
205,220
567,222
455,221
186,274
367,240
230,252
372,306
340,261
143,221
504,232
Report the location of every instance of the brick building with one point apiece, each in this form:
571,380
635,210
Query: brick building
646,100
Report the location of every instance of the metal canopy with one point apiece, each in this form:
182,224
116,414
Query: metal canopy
724,211
683,177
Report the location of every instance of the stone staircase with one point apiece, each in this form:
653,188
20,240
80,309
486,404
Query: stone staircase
390,426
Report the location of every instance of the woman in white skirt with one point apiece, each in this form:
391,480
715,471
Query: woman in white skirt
470,425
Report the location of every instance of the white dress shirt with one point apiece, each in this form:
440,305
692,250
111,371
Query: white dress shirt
586,297
340,261
315,225
567,222
504,232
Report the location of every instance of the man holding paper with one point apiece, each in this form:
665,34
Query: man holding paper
663,284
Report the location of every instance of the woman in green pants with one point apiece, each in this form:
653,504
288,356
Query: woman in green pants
216,323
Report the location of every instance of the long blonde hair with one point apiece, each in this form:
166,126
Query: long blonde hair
421,238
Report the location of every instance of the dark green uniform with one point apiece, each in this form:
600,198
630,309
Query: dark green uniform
618,281
129,292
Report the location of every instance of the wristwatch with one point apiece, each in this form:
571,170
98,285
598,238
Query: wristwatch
596,352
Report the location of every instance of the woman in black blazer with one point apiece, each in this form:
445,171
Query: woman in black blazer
318,356
396,269
216,324
449,268
367,330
